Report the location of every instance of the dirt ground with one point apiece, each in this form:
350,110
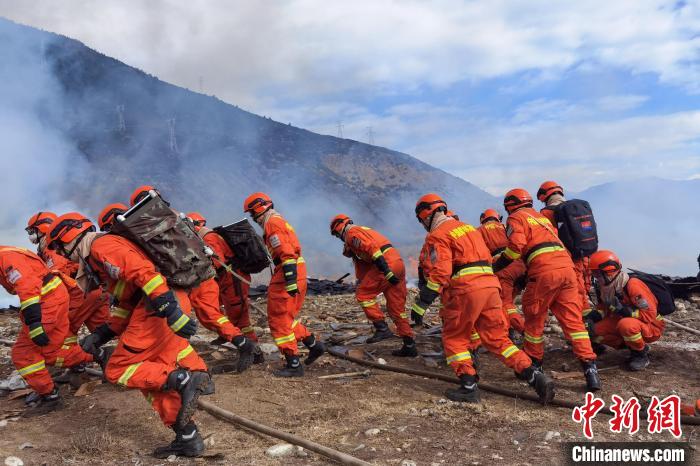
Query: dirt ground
416,424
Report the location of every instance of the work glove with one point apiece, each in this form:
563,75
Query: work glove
501,263
166,305
32,318
101,335
289,268
620,309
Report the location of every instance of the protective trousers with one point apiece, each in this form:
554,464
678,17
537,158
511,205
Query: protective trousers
583,279
91,309
283,309
478,309
372,283
509,290
147,352
205,302
556,290
626,331
234,297
31,360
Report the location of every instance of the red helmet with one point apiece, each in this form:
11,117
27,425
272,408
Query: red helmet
106,218
140,192
547,189
338,223
606,262
428,204
67,227
198,220
257,204
489,214
41,221
515,199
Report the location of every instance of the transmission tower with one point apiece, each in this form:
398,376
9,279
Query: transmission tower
173,139
121,123
370,136
340,129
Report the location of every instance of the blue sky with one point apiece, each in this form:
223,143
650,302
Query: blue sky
501,93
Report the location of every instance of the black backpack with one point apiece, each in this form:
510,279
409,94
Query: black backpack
171,244
661,290
577,227
250,253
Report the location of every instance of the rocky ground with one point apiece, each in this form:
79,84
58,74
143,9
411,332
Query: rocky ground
380,417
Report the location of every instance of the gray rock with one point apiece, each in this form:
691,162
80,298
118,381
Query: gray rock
282,450
26,445
408,463
13,461
268,348
372,432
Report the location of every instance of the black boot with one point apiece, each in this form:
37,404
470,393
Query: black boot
598,349
590,371
467,391
316,349
537,363
293,368
638,360
258,356
408,350
43,404
189,385
476,359
246,350
543,385
187,443
381,332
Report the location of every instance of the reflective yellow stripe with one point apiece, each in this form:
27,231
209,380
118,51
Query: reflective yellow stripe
459,357
580,336
475,336
635,313
389,275
586,312
534,339
510,351
512,311
473,271
124,379
291,287
152,284
119,289
510,254
248,329
50,286
184,353
301,260
377,254
179,323
659,317
404,315
28,302
369,303
417,309
32,368
289,261
120,312
222,320
295,322
37,331
286,339
70,340
433,286
545,250
59,362
635,337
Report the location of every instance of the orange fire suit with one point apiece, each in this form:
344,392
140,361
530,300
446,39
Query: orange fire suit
148,350
24,274
645,325
583,274
233,293
551,283
205,302
457,265
283,308
494,234
365,245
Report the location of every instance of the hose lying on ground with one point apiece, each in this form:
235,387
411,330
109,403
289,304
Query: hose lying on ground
688,420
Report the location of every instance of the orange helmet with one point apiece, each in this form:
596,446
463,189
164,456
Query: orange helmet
257,204
198,220
109,214
428,204
67,227
41,222
606,264
489,214
547,189
515,199
338,223
140,192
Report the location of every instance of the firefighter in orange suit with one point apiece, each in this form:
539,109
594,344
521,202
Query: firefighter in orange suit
627,313
287,289
379,269
552,196
90,309
551,282
457,267
44,316
153,353
494,234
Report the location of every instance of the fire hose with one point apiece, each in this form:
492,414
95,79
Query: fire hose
688,420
